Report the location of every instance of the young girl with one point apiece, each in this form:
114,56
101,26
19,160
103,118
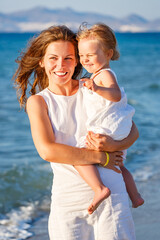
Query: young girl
106,104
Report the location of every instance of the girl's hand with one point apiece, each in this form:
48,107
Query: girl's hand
90,84
100,142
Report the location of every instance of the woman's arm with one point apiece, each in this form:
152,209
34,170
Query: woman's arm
102,142
49,150
129,140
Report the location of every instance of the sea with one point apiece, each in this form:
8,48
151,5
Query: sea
26,179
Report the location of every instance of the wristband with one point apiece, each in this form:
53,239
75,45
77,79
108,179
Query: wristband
107,159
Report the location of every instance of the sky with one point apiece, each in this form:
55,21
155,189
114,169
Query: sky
149,9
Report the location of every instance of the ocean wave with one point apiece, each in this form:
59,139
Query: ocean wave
133,102
22,184
144,171
143,175
15,225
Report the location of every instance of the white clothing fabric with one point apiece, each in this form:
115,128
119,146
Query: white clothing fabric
103,116
71,195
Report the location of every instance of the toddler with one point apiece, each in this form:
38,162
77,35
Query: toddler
106,104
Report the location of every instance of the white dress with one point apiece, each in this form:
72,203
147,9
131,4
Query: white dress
71,195
103,116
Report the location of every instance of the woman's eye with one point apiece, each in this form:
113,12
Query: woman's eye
68,59
52,58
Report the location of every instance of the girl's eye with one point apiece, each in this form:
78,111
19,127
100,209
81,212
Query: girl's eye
68,58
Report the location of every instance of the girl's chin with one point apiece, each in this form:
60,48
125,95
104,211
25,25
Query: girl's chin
89,69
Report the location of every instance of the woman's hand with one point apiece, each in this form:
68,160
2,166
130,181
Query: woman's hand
104,143
100,142
115,159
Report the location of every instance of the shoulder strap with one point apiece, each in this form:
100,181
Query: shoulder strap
101,70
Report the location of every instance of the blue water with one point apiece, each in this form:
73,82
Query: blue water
25,179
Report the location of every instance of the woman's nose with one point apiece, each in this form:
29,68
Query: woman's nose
60,63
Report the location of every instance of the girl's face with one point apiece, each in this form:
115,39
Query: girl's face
59,62
92,57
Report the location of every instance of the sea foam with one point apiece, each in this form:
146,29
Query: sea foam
15,224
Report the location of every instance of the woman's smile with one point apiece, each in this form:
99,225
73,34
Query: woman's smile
60,74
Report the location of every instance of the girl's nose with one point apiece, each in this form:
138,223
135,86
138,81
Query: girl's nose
85,60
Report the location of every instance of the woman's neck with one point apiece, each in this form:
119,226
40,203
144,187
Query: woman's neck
66,90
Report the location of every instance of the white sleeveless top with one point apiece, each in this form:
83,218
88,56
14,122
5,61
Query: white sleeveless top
106,117
71,195
67,116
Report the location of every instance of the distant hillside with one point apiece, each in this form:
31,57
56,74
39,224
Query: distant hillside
39,18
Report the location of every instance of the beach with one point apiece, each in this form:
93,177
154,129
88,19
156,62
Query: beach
40,229
26,179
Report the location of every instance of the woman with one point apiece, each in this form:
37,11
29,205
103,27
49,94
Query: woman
57,117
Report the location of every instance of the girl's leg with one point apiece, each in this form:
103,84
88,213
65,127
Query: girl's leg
91,176
133,193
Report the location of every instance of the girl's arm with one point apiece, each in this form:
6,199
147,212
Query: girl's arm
102,142
49,150
105,85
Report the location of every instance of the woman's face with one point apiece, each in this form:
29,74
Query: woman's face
59,62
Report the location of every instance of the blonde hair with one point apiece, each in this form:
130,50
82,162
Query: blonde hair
29,72
103,33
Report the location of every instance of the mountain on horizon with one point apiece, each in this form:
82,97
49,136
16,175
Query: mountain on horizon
39,18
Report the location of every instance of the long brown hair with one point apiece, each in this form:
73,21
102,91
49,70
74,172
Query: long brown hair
29,72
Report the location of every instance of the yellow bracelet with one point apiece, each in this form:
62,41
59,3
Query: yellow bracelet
107,160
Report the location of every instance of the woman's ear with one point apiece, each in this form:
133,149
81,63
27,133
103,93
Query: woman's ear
41,63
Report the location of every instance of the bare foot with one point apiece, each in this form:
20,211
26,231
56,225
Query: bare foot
138,201
100,195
